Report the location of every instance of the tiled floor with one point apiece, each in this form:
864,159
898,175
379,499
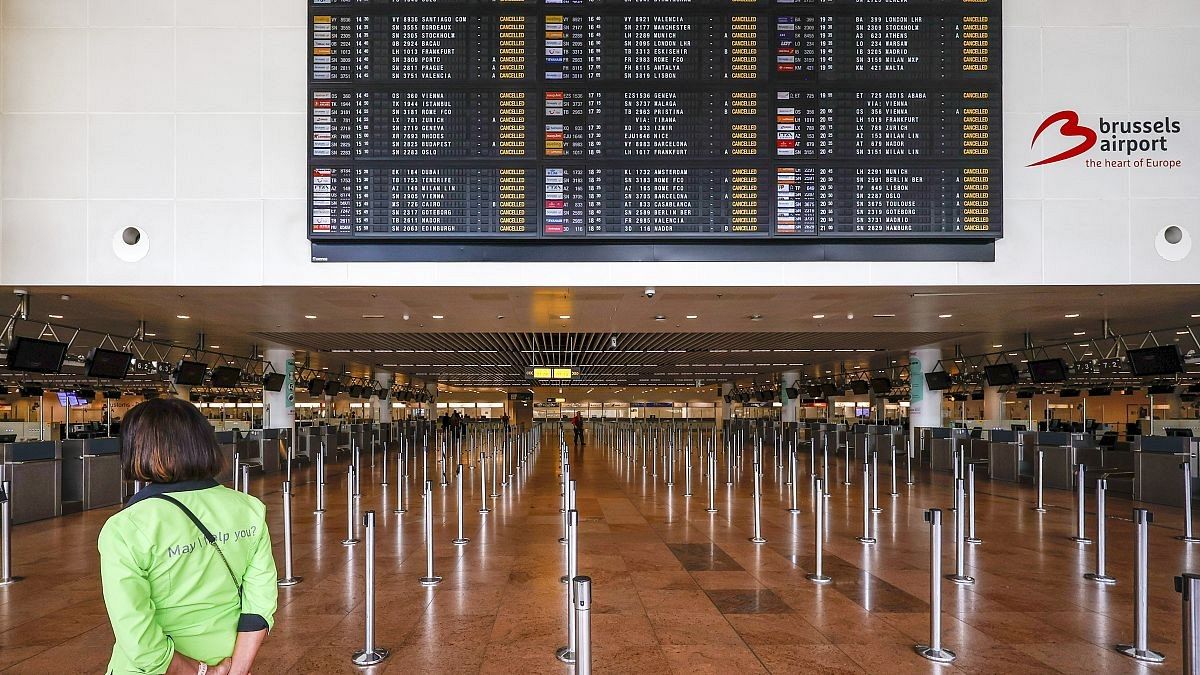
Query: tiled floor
676,589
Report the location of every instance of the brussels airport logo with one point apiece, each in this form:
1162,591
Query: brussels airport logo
1136,144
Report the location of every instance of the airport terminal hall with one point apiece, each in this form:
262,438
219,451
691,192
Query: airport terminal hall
574,337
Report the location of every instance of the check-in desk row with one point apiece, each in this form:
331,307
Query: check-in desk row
864,439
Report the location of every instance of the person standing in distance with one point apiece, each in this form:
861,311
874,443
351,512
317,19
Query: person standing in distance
577,425
188,575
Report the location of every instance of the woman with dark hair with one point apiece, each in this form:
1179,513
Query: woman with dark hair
189,578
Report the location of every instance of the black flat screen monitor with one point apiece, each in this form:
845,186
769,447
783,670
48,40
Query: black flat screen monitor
226,376
881,385
1000,375
938,380
355,391
860,387
1069,393
1100,391
1048,371
829,390
316,387
1165,360
190,373
1161,390
108,364
32,355
793,393
273,381
333,388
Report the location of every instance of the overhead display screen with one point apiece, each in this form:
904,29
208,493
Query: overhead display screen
762,121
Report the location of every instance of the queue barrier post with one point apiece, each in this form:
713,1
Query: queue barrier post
6,575
289,578
371,653
934,650
1140,648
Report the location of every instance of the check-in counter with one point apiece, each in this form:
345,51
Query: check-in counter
1004,455
91,474
273,448
1159,464
942,444
227,442
249,448
35,470
1059,464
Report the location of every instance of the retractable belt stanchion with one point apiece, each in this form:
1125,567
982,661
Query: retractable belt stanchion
566,502
370,653
246,478
583,625
6,575
356,461
1080,515
971,538
960,562
461,540
350,539
1189,586
237,471
1140,650
483,503
430,579
712,481
908,455
289,579
1187,505
892,452
383,477
825,467
1041,460
320,508
875,508
1100,575
757,505
866,537
848,480
687,468
818,575
792,483
570,501
567,654
934,650
400,468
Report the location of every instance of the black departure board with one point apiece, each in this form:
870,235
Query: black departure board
765,121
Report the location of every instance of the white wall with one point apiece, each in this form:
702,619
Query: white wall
187,119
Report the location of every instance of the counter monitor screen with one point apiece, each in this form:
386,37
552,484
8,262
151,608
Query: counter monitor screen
557,123
32,355
1165,360
108,364
1000,375
938,380
190,373
1048,371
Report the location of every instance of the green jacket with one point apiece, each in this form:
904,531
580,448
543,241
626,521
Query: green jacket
167,589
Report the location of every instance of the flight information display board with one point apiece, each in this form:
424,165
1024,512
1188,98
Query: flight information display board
684,120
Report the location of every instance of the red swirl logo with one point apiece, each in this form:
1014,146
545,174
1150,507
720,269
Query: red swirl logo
1071,128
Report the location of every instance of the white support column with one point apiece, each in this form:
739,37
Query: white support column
383,407
279,407
790,405
925,410
993,406
725,410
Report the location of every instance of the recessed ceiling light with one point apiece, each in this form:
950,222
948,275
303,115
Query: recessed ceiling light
372,316
151,334
756,317
885,316
564,316
310,316
1196,316
1071,316
214,346
692,316
182,316
997,346
945,316
438,316
54,316
660,317
818,316
1080,332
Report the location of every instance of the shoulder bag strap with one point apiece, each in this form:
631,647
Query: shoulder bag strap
208,536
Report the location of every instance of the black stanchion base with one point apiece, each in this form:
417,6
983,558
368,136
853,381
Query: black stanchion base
936,655
1148,655
289,581
369,658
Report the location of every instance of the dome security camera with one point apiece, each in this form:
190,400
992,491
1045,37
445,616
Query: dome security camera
650,292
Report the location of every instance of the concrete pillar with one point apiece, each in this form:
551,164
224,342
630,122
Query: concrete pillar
279,407
724,410
383,408
790,405
925,410
993,406
431,410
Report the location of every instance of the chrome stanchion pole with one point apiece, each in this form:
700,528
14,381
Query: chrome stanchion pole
908,455
350,539
401,507
1080,529
757,505
1189,586
866,537
461,540
1041,460
687,468
566,503
370,653
6,575
875,508
246,478
237,471
960,562
892,451
570,503
383,477
971,538
483,497
792,481
849,480
818,575
430,579
934,650
356,461
825,467
289,579
1140,650
567,654
712,481
1187,505
320,508
1100,575
583,625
